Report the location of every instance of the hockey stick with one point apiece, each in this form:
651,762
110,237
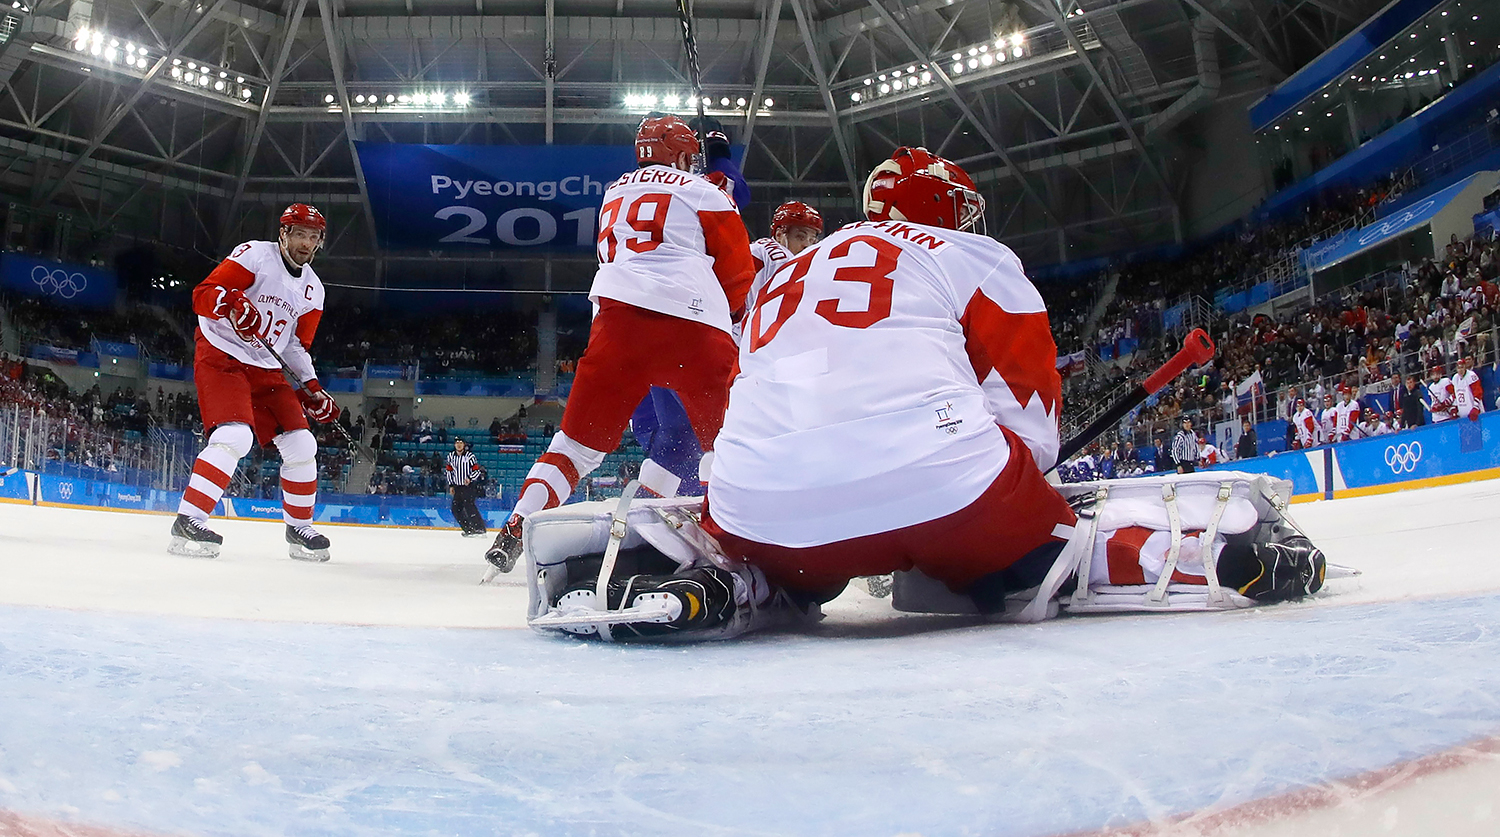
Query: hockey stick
1196,348
690,46
298,385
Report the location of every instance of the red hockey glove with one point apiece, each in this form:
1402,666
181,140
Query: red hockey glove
320,406
1473,414
242,316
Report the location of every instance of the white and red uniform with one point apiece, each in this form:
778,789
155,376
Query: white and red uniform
896,402
1440,400
1208,454
674,269
1468,395
767,254
1306,425
1346,419
1328,425
239,383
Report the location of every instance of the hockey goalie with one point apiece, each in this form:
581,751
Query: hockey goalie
894,412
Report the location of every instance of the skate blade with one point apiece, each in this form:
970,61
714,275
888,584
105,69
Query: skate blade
1332,570
303,554
489,574
585,621
193,549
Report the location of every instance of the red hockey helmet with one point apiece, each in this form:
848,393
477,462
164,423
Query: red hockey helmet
304,215
796,214
919,186
661,138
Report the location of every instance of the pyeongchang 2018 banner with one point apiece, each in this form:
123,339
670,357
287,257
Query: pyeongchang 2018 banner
435,197
65,284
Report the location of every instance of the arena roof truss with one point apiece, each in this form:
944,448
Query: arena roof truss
190,122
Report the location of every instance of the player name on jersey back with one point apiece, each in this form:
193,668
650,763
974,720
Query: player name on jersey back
281,298
655,247
860,407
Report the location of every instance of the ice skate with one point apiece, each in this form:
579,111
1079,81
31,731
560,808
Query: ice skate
306,544
1284,571
192,538
648,605
506,549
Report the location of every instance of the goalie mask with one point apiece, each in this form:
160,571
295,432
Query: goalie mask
919,186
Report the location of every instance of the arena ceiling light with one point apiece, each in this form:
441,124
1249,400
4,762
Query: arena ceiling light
645,102
201,78
419,100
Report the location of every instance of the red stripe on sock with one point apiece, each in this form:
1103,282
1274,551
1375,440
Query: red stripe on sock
562,463
298,512
197,498
291,487
552,501
207,471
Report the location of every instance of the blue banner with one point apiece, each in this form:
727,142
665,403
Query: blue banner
432,197
1385,229
455,197
65,284
114,348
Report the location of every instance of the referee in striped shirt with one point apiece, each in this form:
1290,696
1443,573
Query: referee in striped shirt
464,478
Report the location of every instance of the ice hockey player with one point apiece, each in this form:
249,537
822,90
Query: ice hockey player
1328,421
264,295
795,226
896,408
674,268
1440,395
1305,423
1346,414
1468,393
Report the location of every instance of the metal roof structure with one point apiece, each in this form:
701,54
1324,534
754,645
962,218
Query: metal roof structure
191,122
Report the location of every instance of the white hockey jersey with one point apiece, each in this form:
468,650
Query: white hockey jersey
1468,394
1347,418
671,242
1440,400
766,254
1328,425
290,307
1306,425
875,373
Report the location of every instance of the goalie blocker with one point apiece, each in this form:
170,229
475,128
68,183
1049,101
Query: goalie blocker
1208,541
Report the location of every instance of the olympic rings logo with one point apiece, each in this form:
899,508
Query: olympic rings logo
66,490
58,282
1403,458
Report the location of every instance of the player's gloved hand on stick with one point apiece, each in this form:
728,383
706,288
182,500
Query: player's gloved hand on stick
242,315
320,406
715,140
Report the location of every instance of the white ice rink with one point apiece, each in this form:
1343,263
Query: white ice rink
385,693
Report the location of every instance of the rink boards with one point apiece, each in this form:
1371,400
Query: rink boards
1440,454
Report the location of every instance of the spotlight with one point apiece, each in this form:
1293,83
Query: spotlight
1017,52
724,102
957,68
855,97
177,72
461,99
740,102
885,88
973,63
328,100
869,82
987,60
245,93
769,101
390,98
359,99
896,84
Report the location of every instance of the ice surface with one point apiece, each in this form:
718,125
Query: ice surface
358,697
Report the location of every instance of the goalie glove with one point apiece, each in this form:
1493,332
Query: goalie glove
320,406
236,309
